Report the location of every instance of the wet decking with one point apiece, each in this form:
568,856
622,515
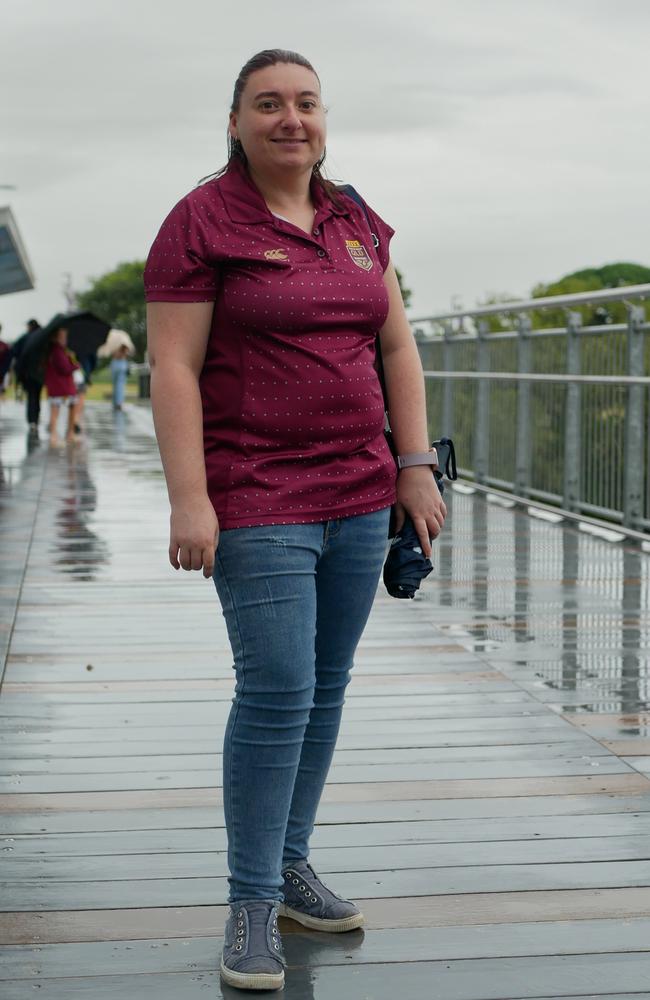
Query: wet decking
489,803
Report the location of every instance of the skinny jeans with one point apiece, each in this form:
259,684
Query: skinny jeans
296,599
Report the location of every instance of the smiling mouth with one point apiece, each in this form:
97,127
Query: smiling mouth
289,142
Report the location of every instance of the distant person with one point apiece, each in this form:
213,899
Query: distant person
119,375
82,379
5,361
29,369
59,382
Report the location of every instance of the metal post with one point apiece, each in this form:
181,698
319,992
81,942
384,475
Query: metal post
572,457
570,591
523,443
448,389
633,678
634,458
482,425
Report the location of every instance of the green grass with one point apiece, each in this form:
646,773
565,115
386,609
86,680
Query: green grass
101,388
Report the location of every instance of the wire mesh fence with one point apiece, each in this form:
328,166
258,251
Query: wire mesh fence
555,414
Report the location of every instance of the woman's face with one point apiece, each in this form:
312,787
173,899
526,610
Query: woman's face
61,336
281,120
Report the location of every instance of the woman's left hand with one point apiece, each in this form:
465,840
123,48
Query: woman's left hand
419,496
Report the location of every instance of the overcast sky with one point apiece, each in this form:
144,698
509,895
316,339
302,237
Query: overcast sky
505,140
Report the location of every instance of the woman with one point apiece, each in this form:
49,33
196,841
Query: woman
265,296
60,367
119,375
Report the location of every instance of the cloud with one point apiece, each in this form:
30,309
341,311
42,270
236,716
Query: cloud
503,140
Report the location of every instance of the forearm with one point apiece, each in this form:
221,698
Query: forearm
178,419
406,398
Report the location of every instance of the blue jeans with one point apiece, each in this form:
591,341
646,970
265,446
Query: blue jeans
296,599
119,373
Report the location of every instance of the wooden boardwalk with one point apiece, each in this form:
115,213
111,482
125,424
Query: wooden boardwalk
489,802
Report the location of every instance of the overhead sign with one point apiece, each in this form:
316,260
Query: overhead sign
15,270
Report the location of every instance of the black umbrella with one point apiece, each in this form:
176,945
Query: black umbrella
406,565
86,332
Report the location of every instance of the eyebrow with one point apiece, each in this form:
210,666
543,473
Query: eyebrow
275,93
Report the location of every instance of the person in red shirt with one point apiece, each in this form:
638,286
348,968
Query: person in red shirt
59,382
267,288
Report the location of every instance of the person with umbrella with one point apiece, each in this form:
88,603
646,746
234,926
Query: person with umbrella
85,333
28,366
60,365
119,374
118,347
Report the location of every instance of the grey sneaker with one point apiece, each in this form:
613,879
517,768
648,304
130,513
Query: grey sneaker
252,949
312,904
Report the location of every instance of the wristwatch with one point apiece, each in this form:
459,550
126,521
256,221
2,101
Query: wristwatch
418,458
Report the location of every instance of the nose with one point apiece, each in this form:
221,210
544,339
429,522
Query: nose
292,120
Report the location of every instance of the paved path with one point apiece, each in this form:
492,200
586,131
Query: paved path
489,802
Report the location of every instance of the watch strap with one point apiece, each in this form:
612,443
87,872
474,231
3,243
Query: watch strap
418,458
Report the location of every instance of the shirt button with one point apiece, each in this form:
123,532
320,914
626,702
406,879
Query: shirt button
316,231
321,253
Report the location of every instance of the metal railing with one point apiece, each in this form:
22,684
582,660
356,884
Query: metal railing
557,415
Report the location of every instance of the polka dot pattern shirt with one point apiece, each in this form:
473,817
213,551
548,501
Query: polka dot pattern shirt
293,414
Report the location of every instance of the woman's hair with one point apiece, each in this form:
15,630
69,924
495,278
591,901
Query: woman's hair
269,57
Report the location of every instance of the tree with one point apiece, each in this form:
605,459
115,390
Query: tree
589,280
498,322
118,298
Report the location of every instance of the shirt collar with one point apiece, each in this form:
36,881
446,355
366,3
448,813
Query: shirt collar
245,204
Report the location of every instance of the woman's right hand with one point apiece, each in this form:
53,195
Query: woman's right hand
193,536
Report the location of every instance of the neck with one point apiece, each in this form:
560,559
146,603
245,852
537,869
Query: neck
286,192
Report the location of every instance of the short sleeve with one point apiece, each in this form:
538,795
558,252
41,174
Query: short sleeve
179,268
384,234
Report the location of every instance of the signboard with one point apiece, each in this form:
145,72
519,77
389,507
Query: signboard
15,270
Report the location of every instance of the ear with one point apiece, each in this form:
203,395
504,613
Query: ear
232,125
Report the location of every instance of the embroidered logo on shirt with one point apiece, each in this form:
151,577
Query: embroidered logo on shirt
359,254
276,255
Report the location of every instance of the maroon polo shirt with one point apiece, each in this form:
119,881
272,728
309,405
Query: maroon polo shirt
293,415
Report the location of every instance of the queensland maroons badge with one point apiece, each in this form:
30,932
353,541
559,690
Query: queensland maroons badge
359,254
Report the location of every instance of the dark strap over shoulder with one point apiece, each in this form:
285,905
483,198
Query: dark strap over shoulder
444,446
354,194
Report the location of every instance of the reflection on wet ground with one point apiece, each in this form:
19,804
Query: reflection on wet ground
488,840
75,547
75,483
563,613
